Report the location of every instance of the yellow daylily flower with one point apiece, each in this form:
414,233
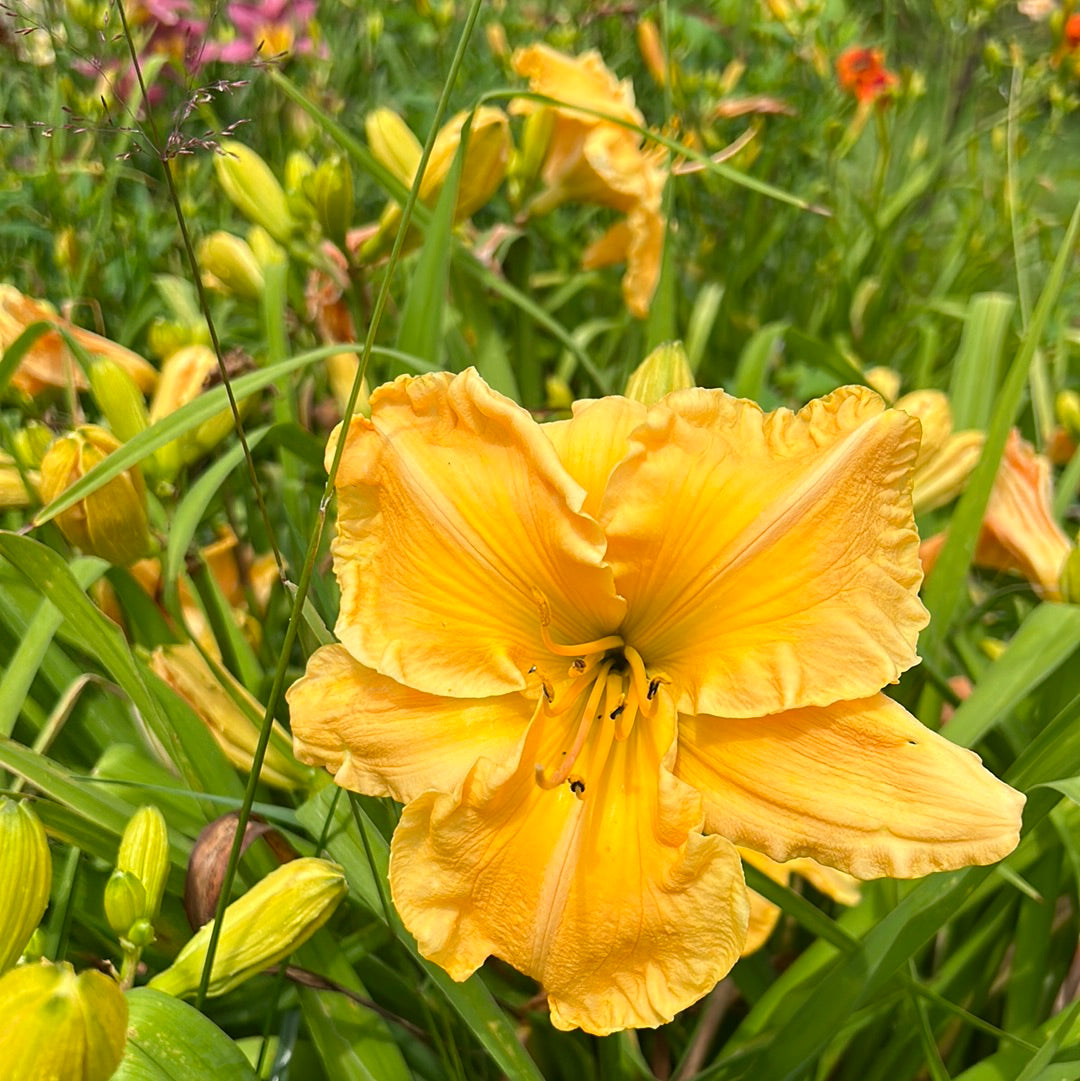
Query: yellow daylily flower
589,159
592,657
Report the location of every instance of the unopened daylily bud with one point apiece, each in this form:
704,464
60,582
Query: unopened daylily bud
16,488
119,398
558,393
942,477
229,265
184,376
393,143
652,50
341,372
111,522
59,1026
495,34
1069,586
182,667
484,167
330,189
125,901
665,369
25,878
277,915
30,444
885,381
1067,408
934,413
253,189
268,252
144,853
298,168
535,139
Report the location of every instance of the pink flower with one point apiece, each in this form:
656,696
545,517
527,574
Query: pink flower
267,28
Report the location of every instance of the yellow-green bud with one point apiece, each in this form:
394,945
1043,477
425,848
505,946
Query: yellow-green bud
30,444
277,915
535,139
144,853
267,251
119,398
229,265
25,878
484,167
125,901
184,376
141,933
665,369
1069,584
253,189
298,168
16,490
111,522
558,393
393,144
330,189
59,1026
1067,407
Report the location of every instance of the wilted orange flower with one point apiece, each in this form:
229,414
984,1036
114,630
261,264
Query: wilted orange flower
588,159
592,657
862,73
1018,533
49,363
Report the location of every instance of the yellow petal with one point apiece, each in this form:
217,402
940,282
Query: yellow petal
860,786
594,441
643,258
614,901
769,560
383,739
1019,532
454,514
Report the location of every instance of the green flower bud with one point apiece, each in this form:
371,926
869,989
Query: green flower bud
25,878
144,853
111,522
125,901
330,189
393,144
277,915
119,398
141,933
59,1026
30,444
1067,408
665,369
15,490
253,189
1069,584
229,265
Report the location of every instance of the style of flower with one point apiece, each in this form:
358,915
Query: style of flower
1018,533
862,73
587,158
592,657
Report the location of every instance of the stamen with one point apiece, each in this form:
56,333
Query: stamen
637,674
625,721
587,717
581,649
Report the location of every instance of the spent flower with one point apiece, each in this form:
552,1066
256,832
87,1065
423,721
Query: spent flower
587,689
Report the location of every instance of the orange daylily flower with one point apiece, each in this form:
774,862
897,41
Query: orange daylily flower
48,364
1018,533
589,159
592,657
862,73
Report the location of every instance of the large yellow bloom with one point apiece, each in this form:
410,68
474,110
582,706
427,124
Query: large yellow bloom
588,159
594,656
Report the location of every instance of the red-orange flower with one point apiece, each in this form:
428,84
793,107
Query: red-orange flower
862,73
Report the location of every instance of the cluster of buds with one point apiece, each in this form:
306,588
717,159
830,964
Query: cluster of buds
134,891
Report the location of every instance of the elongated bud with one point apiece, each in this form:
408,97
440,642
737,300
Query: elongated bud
229,265
652,50
486,157
393,144
886,381
277,915
940,478
111,522
299,168
932,409
184,376
253,189
1070,577
1067,408
119,398
182,667
125,901
144,853
268,252
16,489
665,369
529,160
25,878
330,190
60,1026
30,444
